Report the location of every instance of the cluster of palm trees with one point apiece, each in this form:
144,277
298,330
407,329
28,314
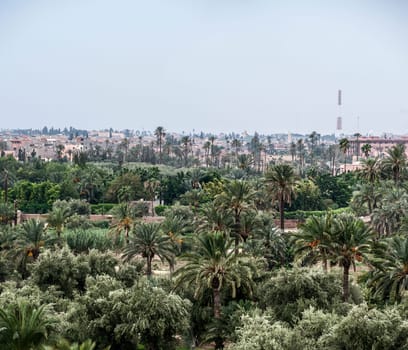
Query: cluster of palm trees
382,193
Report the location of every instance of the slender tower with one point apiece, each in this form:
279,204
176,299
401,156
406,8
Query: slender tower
339,120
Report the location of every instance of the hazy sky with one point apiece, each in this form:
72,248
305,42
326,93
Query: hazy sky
212,65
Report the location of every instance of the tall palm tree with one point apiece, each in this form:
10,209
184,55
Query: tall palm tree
57,218
371,170
33,237
237,196
151,187
124,218
351,240
366,149
280,181
389,279
357,135
186,143
312,242
388,217
160,134
213,219
344,145
24,327
396,162
149,241
214,266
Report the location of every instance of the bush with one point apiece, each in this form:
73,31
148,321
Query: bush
124,317
62,269
290,292
84,240
365,328
303,215
160,209
101,208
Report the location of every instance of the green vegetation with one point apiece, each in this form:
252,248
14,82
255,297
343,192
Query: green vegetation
189,257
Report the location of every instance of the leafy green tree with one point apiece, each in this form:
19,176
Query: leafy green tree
308,196
288,293
133,184
125,317
365,328
281,185
149,241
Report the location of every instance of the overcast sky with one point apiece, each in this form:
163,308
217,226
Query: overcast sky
212,65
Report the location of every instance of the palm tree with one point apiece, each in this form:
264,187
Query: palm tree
214,266
57,218
357,135
32,237
312,242
268,242
237,196
389,279
371,170
344,145
236,144
212,139
313,138
396,162
160,134
124,218
7,213
366,149
281,185
213,219
24,327
151,187
388,217
148,241
186,142
350,242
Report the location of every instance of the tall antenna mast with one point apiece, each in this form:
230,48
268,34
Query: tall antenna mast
339,120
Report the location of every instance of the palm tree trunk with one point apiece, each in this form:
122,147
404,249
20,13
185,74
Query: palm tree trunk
324,263
237,229
346,291
282,213
149,266
217,303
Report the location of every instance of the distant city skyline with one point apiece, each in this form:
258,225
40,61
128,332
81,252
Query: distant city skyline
208,65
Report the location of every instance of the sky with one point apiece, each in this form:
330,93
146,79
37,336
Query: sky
269,66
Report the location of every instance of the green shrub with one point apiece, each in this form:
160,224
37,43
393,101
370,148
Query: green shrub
84,240
160,209
101,208
290,292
